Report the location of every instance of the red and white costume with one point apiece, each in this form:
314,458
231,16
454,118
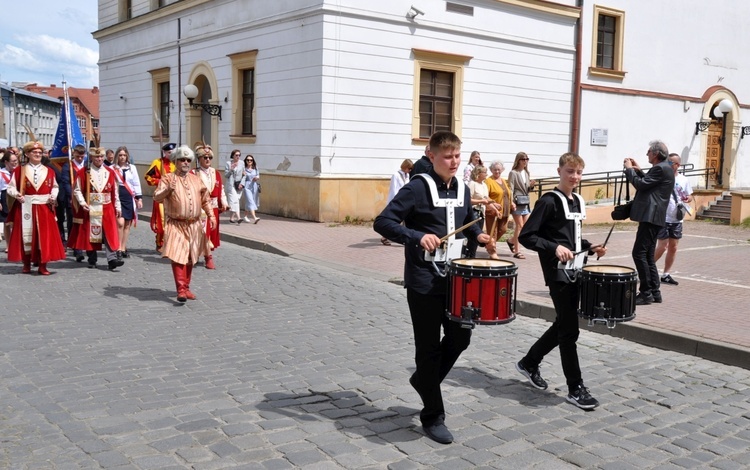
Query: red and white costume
35,237
97,188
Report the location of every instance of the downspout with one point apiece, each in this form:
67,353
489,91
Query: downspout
575,121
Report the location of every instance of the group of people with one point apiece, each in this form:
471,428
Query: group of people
90,204
422,211
242,180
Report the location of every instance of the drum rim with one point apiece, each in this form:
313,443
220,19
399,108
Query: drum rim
596,268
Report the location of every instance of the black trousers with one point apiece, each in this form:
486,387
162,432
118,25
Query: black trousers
563,333
643,257
434,356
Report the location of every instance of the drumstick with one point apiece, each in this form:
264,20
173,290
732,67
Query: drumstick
607,239
459,229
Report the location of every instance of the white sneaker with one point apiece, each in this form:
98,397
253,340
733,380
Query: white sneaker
245,219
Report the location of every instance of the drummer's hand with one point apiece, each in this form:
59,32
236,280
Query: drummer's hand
599,250
484,238
563,254
430,242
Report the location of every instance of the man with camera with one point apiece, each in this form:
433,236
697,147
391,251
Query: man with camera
669,235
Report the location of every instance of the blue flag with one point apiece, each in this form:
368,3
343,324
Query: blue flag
60,147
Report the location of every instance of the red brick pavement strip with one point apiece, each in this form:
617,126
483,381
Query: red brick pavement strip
706,315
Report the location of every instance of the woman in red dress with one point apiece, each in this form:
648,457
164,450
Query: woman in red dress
35,237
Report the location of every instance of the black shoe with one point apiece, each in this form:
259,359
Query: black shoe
644,299
667,279
438,432
118,253
581,398
533,375
126,254
115,263
657,296
79,258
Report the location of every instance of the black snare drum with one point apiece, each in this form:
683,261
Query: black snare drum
481,291
608,294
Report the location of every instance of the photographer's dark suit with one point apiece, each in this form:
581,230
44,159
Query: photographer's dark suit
649,209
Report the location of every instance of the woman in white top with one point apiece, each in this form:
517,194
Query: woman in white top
233,172
129,186
398,180
520,184
480,198
474,161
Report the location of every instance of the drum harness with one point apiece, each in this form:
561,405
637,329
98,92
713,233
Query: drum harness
573,267
454,246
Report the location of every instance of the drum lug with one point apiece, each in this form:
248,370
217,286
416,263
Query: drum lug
469,314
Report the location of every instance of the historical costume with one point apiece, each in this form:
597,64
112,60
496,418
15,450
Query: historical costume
159,167
212,179
184,197
96,212
34,237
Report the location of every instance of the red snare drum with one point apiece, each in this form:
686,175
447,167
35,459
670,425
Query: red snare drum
481,291
608,294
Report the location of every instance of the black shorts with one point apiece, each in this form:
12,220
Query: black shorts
670,231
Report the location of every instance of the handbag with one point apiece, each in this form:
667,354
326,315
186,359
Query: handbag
622,211
680,212
237,185
258,183
523,199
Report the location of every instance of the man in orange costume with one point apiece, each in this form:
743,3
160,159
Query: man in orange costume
212,179
184,196
159,167
34,236
96,211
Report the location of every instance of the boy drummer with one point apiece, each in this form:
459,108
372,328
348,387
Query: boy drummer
431,208
554,231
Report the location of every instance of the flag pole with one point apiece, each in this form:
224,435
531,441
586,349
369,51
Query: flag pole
66,110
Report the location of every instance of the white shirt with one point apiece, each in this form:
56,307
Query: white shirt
682,189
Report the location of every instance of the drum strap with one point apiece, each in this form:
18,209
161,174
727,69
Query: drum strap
450,213
577,217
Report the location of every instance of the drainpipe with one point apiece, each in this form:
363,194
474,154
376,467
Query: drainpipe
575,118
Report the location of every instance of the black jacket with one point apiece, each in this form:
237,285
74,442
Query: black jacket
653,190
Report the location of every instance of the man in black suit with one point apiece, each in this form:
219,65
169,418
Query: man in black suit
423,165
649,209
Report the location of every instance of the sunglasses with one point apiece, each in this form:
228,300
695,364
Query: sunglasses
208,158
526,159
183,159
249,160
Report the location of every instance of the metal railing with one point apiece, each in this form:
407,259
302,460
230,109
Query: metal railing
611,179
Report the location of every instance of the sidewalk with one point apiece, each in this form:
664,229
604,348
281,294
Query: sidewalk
705,316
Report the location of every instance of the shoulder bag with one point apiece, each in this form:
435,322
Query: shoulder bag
622,211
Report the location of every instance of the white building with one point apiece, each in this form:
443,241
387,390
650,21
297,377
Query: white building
330,96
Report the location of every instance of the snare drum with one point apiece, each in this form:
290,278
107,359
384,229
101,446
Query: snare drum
608,294
481,291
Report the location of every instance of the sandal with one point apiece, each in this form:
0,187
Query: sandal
519,256
385,241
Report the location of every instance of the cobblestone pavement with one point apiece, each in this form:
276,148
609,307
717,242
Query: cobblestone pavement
281,363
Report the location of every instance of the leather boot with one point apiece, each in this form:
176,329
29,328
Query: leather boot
210,262
188,277
178,271
26,264
43,269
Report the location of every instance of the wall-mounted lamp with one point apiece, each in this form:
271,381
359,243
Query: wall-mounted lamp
701,126
413,12
191,92
744,131
122,97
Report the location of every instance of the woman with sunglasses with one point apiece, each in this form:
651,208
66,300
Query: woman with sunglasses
521,183
233,172
251,185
